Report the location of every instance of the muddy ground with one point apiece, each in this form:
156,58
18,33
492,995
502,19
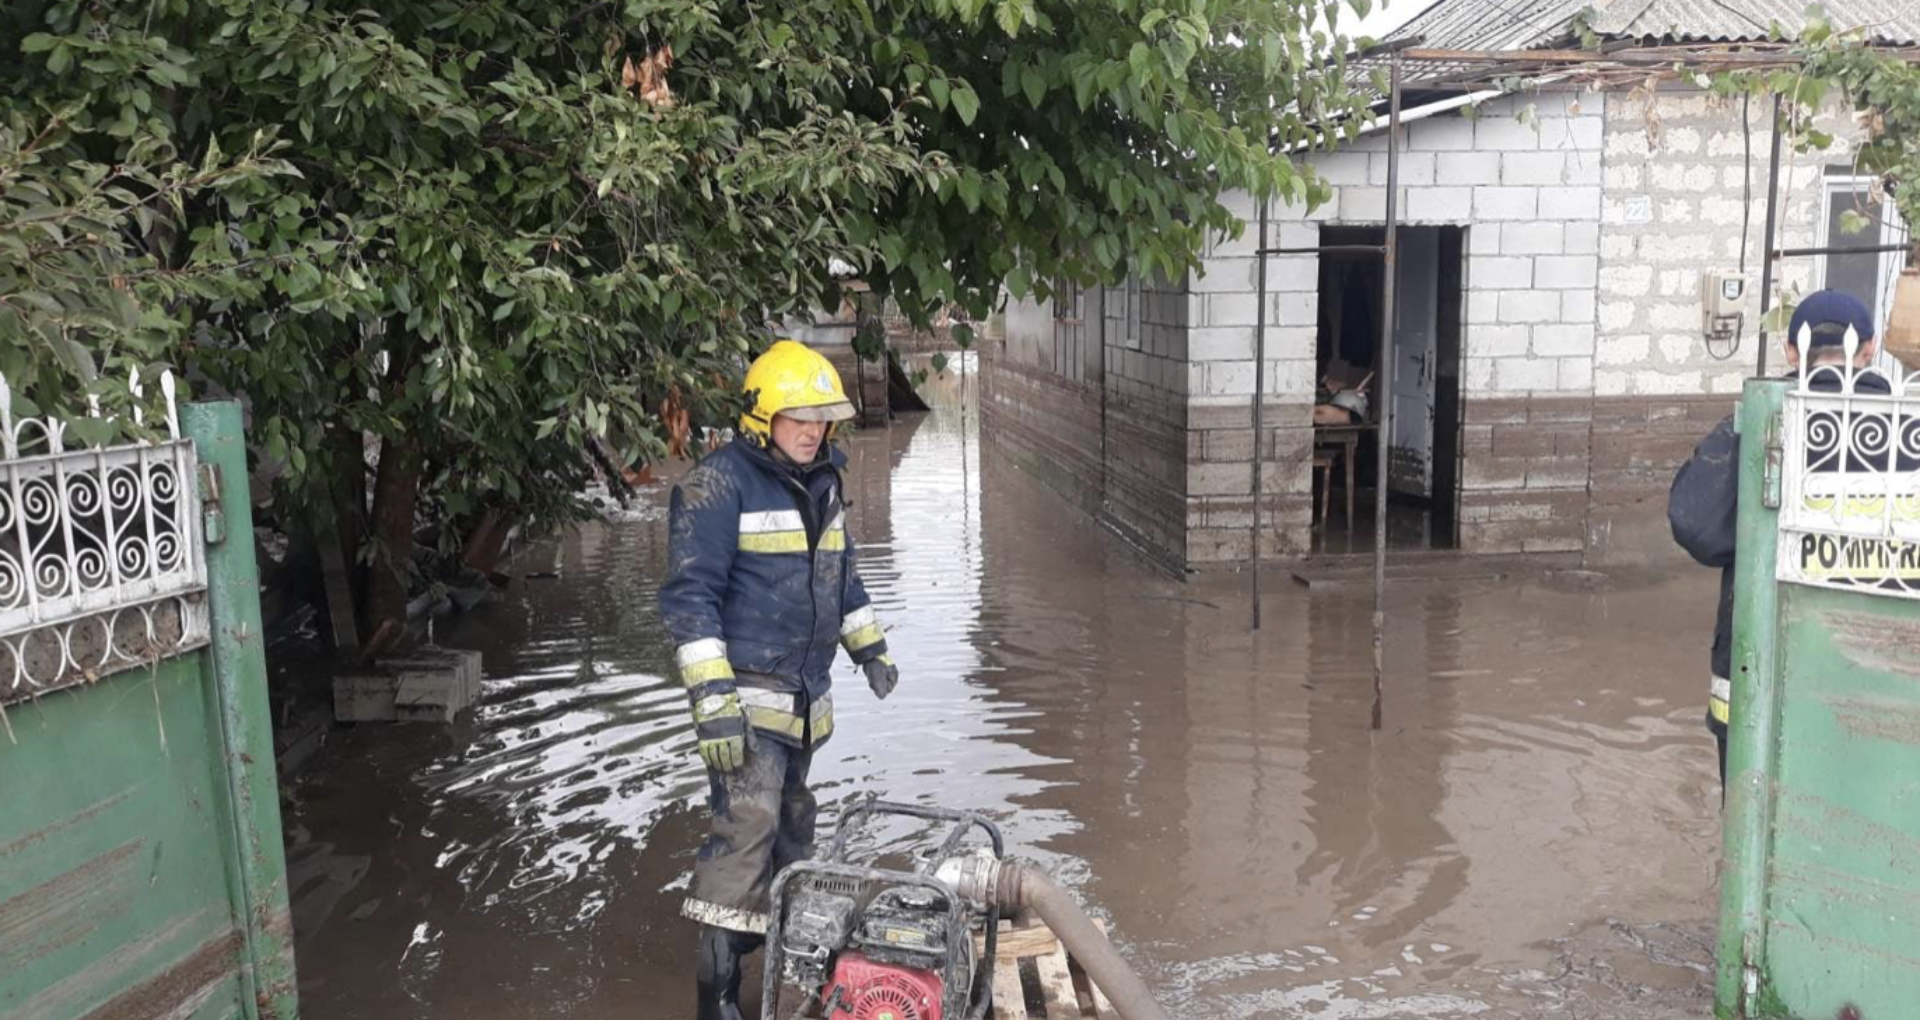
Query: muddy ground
1532,834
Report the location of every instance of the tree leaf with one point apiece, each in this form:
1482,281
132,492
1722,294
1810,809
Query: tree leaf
1140,59
968,186
1020,281
1009,15
1034,82
966,103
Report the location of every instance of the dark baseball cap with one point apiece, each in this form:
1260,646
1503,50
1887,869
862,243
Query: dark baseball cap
1829,313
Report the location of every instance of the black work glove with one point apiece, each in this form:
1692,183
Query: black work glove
882,676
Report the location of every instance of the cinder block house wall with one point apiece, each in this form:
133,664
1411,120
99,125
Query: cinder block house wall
1523,178
1040,397
1585,379
1089,393
1222,307
1675,201
1146,342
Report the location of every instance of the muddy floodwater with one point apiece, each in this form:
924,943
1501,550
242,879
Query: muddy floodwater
1532,834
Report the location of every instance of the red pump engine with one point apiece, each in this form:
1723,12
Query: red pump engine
870,990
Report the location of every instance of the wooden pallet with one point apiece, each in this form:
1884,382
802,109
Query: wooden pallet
1053,978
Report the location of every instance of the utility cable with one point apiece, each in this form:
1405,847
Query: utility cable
1746,195
1746,219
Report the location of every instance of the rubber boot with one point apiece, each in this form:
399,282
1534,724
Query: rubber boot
717,978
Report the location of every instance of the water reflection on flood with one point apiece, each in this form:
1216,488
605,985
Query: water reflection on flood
1217,794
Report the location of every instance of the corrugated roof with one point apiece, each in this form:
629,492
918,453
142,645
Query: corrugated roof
1889,21
1491,24
1529,24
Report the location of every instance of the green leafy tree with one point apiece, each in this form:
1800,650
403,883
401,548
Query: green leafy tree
1094,138
1825,64
492,233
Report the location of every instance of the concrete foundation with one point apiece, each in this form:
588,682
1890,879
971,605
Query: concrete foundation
426,685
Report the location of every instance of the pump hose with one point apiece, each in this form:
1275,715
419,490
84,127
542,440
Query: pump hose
1023,886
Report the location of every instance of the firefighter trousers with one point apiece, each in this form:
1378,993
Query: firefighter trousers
763,818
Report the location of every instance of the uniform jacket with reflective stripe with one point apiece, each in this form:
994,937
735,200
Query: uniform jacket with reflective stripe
751,593
1703,509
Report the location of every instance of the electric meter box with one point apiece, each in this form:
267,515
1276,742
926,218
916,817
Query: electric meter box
1725,293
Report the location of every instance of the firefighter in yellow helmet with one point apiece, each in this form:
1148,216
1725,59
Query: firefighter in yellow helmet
761,588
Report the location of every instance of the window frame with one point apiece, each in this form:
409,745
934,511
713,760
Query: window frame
1068,301
1891,229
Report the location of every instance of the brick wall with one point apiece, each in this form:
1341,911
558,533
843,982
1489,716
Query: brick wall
1524,177
1676,169
1146,382
1585,380
1047,424
1525,470
1094,403
1638,443
1037,408
1223,307
1675,172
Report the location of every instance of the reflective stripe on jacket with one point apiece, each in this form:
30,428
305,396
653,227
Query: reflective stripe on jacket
760,592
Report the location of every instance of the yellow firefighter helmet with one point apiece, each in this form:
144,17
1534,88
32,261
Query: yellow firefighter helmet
797,381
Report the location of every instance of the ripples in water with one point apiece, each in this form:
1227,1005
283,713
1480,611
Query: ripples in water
1218,794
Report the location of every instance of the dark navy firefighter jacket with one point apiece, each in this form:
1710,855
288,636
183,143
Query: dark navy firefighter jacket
761,587
1703,511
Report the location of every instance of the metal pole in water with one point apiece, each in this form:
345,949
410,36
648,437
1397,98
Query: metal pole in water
1392,271
1259,408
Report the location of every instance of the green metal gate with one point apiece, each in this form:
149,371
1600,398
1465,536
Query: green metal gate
1820,895
141,871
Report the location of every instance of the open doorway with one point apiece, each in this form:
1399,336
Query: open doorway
1424,469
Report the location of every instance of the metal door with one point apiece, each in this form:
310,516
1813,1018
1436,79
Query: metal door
1821,879
141,871
1415,349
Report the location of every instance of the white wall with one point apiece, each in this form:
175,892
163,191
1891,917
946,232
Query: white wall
1676,167
1524,176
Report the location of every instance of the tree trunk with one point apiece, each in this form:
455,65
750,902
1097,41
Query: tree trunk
485,543
396,491
348,460
340,543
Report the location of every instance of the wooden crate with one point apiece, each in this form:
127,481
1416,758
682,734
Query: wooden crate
1056,980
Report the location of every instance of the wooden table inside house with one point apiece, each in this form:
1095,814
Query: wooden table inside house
1346,440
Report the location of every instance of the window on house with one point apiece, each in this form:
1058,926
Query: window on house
1066,299
1852,215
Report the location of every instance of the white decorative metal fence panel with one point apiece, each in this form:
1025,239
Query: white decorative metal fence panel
1849,479
101,563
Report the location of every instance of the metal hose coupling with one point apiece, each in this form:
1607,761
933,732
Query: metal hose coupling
973,877
1016,885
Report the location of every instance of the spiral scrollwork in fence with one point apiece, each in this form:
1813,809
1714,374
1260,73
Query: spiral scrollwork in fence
100,558
1850,476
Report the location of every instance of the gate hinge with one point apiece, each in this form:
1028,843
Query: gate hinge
1770,477
1749,977
212,520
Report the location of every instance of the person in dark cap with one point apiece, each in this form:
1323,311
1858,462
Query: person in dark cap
1702,507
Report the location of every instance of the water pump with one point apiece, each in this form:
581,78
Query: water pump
874,943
